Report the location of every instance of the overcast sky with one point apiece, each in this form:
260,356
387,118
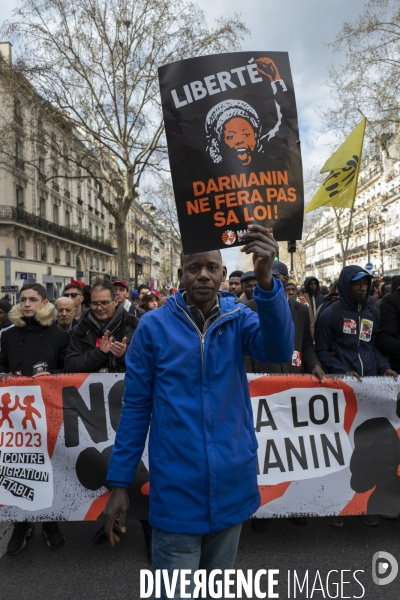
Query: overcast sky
300,27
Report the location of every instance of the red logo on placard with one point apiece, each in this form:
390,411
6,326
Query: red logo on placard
229,237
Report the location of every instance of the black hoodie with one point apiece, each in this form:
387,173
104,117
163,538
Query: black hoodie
316,298
355,338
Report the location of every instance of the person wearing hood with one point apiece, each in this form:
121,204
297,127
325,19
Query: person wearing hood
99,341
346,346
34,343
5,322
311,287
388,341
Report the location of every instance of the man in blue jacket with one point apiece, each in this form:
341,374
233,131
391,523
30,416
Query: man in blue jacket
185,373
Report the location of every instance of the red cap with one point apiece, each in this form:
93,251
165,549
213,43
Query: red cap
121,282
79,283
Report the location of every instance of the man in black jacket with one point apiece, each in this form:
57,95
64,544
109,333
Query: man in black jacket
311,287
34,340
99,341
388,340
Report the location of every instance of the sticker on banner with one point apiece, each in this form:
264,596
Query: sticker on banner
300,434
366,330
26,473
350,326
296,359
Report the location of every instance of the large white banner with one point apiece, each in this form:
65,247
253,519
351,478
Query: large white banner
323,449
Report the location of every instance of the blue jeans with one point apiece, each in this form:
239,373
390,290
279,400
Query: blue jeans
191,551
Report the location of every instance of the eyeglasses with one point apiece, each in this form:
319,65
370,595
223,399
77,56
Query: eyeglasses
103,304
71,295
150,293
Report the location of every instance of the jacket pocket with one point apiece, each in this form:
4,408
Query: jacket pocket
160,431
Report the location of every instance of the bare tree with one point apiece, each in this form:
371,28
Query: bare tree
96,62
368,82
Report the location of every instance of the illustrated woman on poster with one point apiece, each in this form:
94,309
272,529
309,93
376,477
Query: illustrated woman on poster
233,127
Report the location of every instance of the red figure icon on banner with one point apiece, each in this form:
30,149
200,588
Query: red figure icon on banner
5,409
29,411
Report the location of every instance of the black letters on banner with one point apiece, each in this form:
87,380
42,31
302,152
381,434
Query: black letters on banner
233,142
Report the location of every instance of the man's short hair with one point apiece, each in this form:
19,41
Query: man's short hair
73,286
143,286
104,284
236,274
164,292
183,255
36,287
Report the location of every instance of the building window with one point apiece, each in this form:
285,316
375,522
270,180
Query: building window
67,218
96,232
80,224
97,263
103,264
18,112
43,251
42,208
56,186
68,258
42,176
21,246
57,254
102,235
19,155
19,196
90,229
55,214
35,251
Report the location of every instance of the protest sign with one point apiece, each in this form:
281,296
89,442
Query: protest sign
233,143
323,449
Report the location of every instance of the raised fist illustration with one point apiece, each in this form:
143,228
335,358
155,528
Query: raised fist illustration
267,67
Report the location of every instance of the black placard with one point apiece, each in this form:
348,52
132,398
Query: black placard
233,143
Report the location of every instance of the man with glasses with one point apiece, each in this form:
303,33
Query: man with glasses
99,341
74,292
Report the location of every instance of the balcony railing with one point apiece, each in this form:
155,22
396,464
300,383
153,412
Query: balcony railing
10,213
56,187
138,258
67,193
324,261
42,177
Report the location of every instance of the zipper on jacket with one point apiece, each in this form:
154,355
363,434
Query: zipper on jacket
359,327
203,335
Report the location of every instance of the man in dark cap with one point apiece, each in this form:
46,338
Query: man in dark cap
280,271
5,322
248,282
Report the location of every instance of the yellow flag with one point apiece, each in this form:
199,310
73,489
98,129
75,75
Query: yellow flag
339,188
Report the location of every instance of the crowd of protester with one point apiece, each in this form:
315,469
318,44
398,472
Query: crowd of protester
351,328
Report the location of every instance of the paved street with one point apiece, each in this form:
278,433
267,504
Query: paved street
81,571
